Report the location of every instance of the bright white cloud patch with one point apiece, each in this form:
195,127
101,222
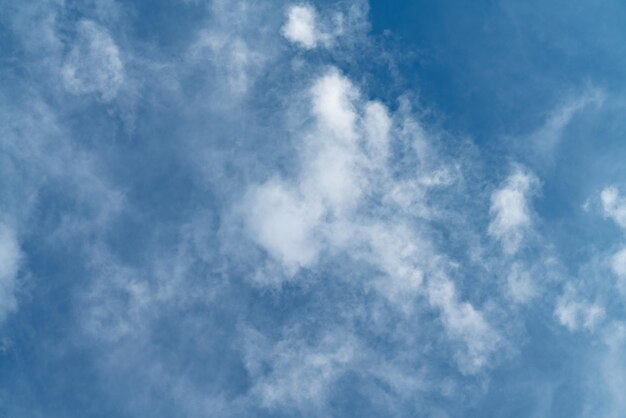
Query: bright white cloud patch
284,224
307,29
394,301
333,99
93,64
10,256
301,26
345,159
291,221
510,210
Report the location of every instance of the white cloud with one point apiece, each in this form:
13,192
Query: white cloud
93,64
301,26
344,159
10,256
346,199
574,313
398,253
614,208
291,222
284,224
464,323
308,29
333,97
510,210
294,221
614,205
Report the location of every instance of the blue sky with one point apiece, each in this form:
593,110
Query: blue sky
312,209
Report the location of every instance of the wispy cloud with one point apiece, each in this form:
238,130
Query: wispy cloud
276,234
510,209
575,313
547,139
10,258
93,64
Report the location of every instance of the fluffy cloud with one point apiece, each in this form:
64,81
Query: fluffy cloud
307,29
292,221
333,105
301,26
284,224
323,212
613,205
272,241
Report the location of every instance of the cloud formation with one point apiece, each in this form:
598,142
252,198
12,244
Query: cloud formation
93,64
301,26
510,211
326,211
242,208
